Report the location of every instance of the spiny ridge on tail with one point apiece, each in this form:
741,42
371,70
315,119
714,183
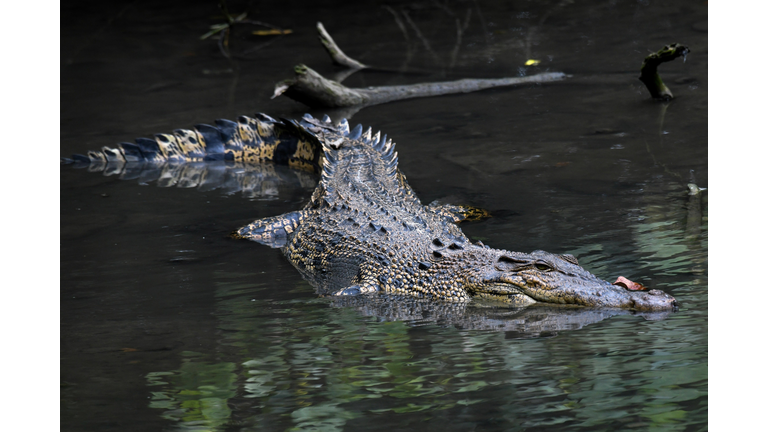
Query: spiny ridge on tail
338,136
249,140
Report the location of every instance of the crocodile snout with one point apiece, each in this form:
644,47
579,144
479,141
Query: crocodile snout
653,300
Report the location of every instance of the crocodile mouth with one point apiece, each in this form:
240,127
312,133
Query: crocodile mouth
503,293
652,300
596,293
606,295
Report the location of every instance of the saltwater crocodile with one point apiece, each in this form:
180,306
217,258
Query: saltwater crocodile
364,231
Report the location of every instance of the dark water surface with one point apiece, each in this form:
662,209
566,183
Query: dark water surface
167,324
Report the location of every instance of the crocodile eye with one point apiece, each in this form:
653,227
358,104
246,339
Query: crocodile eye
542,266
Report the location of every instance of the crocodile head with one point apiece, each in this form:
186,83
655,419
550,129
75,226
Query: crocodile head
542,277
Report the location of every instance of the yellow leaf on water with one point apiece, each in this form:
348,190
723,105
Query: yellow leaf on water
532,62
272,32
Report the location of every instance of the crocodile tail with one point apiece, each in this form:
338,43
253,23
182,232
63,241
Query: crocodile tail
337,137
341,134
249,140
272,231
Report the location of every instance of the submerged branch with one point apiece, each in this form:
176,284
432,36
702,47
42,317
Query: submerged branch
312,89
649,74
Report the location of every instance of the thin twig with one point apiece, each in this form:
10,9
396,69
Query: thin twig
460,29
260,46
482,21
399,23
224,42
408,48
421,37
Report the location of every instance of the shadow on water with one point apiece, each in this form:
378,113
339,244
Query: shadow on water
167,324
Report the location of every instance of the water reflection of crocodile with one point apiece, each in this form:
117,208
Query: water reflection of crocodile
532,321
364,231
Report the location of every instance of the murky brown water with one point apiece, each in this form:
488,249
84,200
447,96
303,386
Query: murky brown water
166,324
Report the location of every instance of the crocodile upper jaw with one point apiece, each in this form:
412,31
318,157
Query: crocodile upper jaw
603,294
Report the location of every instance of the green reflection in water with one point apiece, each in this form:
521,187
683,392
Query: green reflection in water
196,395
322,368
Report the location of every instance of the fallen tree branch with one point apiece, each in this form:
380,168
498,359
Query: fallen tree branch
313,90
649,74
337,55
350,65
